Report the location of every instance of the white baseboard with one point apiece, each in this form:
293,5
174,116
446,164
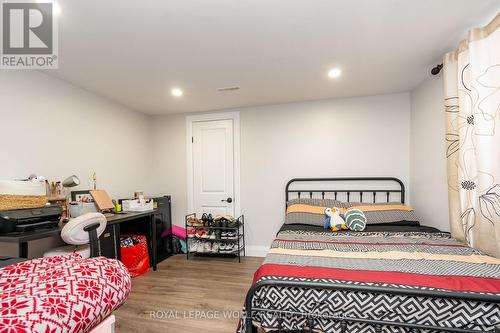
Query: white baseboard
257,251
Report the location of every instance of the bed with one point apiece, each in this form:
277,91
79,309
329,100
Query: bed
394,276
62,294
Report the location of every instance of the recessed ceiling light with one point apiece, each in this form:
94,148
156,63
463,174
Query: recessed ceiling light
177,92
334,73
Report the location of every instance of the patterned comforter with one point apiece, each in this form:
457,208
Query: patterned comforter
410,260
60,294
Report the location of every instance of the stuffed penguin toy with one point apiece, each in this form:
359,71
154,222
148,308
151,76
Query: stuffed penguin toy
333,220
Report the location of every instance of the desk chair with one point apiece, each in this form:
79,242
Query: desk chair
82,233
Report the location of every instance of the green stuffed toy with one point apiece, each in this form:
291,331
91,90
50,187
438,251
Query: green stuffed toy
355,219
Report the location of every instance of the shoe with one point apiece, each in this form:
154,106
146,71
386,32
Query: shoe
223,235
204,235
212,235
215,247
200,248
230,248
191,232
210,220
224,217
194,222
204,218
223,223
200,233
232,235
193,245
207,247
222,247
233,223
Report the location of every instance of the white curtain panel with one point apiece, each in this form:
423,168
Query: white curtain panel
472,106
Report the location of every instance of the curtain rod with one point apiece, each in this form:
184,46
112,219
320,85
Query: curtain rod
437,69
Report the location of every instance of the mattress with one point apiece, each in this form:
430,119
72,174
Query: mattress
400,257
65,294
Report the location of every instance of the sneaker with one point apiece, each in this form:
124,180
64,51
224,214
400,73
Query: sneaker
207,247
230,248
193,245
223,235
204,235
232,235
212,235
191,232
233,223
222,247
215,247
199,247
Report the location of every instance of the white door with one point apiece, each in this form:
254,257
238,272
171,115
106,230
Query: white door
213,167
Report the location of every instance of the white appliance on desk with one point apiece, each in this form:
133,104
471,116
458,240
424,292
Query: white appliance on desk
137,205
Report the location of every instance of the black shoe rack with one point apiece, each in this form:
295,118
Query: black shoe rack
211,228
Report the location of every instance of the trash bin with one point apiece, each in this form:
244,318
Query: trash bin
134,251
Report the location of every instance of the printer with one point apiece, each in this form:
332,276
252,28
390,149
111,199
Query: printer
23,220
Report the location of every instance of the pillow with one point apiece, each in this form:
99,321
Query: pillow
318,202
312,212
309,211
384,213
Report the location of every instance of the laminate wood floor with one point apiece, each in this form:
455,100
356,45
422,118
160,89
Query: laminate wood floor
195,295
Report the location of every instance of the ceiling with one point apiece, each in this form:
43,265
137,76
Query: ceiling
135,52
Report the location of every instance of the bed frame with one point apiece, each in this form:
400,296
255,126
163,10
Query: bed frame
374,195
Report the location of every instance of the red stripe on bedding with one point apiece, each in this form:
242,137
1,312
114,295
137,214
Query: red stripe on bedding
366,243
454,283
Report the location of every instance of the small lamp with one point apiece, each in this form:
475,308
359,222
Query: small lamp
71,181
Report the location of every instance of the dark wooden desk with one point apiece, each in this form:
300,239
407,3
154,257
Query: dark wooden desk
114,222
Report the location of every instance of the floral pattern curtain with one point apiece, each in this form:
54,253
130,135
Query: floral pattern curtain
472,106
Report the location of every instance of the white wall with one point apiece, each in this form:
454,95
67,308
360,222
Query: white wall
428,177
52,128
55,129
365,136
169,162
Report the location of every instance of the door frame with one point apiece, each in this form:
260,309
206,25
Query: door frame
235,116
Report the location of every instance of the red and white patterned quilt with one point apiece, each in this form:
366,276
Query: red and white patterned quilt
60,294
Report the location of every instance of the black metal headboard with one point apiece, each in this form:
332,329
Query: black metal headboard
347,192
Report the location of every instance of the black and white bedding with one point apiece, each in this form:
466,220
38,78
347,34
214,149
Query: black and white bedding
402,255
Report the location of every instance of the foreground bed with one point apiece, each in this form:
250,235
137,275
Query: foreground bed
65,294
392,277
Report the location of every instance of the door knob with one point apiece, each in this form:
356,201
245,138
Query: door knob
228,200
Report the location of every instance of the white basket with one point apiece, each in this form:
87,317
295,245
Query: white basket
16,187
